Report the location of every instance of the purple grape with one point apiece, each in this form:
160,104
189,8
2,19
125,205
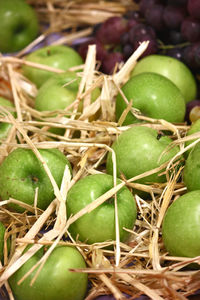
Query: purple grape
131,23
124,39
138,31
146,4
190,29
127,47
110,31
191,56
142,32
176,53
175,37
110,61
152,47
173,16
188,56
127,51
154,16
100,50
194,8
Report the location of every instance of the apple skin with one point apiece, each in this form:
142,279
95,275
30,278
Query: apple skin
62,284
57,56
194,128
191,173
171,68
99,224
138,150
58,92
155,96
21,172
5,127
180,229
19,25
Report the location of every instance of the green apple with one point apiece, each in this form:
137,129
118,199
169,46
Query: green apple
99,224
181,226
58,92
2,232
171,68
155,96
55,280
191,172
19,25
194,128
5,127
21,173
140,149
57,56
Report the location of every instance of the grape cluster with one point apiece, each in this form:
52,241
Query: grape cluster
172,28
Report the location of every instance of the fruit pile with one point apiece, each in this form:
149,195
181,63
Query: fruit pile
171,27
99,172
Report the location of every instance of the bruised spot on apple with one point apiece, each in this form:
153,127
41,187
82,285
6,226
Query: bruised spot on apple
55,280
171,68
181,226
19,25
99,224
59,92
56,56
155,96
140,149
5,127
21,173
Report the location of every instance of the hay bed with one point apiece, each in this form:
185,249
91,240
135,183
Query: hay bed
141,266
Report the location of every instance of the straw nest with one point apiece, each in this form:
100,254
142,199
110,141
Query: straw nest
140,266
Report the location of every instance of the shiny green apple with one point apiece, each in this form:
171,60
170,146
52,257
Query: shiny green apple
181,226
60,91
56,56
19,25
99,224
21,173
140,149
171,68
55,280
155,96
191,172
57,92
